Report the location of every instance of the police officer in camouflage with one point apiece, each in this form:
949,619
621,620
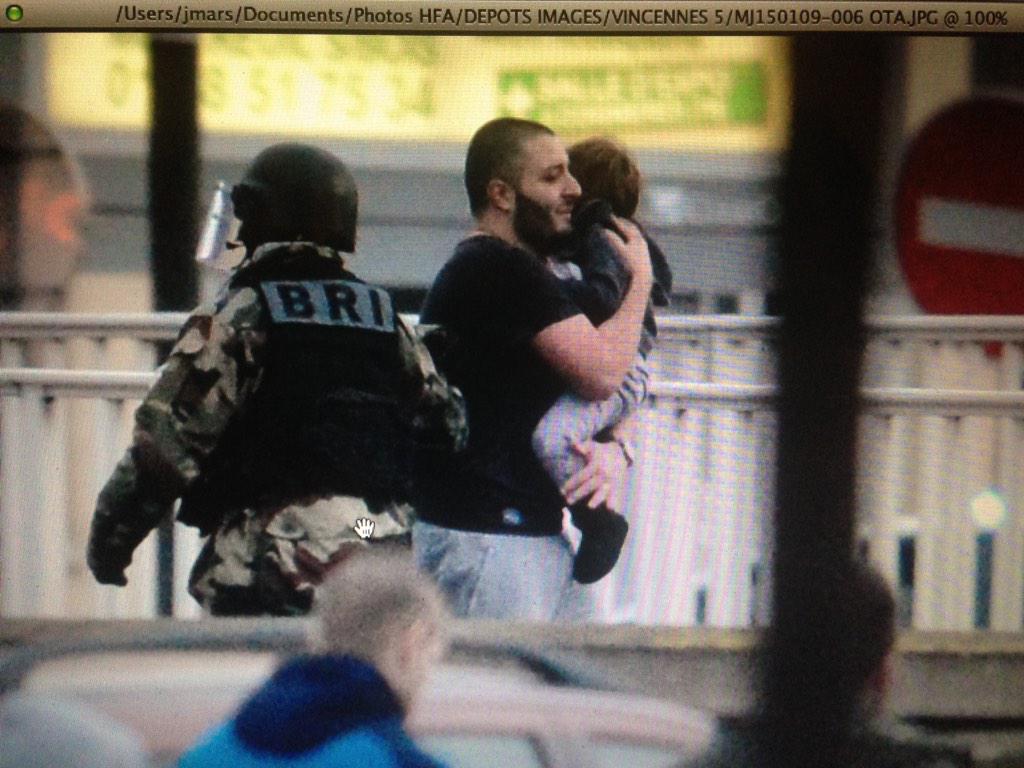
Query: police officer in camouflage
289,414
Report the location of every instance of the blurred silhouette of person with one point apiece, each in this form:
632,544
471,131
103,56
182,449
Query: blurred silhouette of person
42,732
43,201
381,629
877,740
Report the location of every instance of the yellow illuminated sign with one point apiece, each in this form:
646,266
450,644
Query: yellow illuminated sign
692,93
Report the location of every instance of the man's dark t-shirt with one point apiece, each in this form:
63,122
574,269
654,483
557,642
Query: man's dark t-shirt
493,298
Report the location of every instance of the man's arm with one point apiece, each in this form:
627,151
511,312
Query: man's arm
593,361
207,378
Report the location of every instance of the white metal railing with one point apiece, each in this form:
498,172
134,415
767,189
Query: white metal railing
941,467
165,325
58,325
893,327
125,385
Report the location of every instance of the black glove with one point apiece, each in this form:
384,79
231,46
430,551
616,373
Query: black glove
107,555
114,536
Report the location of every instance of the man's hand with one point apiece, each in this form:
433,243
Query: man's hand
602,479
632,249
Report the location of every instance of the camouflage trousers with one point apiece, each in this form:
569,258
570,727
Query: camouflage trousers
270,563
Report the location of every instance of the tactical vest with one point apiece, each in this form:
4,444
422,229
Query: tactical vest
329,416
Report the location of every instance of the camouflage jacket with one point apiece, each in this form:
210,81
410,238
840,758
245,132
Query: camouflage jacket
209,377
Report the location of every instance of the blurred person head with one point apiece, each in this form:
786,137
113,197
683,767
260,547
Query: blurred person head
378,607
43,202
606,171
869,615
293,192
518,182
44,732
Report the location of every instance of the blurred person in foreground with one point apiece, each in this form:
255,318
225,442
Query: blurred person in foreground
381,629
289,414
490,525
876,739
43,202
38,731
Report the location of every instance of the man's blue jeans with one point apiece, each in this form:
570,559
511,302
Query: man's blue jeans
502,576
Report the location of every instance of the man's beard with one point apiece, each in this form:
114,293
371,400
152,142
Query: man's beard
534,225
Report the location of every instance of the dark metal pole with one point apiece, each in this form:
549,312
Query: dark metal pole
12,87
827,210
173,216
998,61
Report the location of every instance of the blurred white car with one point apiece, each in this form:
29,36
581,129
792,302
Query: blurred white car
484,707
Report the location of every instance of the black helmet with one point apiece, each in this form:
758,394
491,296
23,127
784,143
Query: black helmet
297,192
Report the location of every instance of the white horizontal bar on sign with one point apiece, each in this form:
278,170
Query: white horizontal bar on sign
972,226
55,382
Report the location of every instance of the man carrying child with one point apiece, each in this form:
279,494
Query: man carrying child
490,527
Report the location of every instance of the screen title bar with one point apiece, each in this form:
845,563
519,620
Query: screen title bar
568,17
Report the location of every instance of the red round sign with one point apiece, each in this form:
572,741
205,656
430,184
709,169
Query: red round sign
960,210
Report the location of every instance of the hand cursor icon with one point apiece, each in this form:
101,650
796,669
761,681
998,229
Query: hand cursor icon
364,527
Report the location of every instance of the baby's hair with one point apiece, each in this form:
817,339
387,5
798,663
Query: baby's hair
606,171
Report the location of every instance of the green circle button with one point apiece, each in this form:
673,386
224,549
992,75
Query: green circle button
14,13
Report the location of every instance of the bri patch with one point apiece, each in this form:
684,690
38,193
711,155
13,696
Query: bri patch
330,302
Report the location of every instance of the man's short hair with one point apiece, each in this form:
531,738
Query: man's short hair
606,171
366,601
495,152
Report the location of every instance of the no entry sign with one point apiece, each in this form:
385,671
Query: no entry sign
960,210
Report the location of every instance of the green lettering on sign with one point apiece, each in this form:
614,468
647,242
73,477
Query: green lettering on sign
517,92
748,99
637,98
